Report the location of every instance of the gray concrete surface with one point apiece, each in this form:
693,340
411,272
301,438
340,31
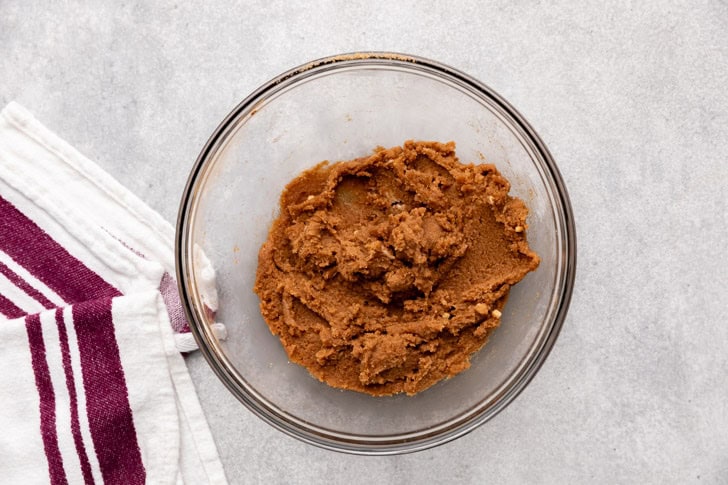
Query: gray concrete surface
631,98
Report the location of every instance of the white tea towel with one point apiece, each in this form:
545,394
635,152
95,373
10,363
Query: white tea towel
94,388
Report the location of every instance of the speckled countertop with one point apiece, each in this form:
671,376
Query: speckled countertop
631,99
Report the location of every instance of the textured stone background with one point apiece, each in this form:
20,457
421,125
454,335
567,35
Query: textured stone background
631,99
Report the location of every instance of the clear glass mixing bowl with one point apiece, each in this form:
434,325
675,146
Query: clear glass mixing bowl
339,108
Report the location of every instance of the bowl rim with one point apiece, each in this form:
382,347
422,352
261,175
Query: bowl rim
337,441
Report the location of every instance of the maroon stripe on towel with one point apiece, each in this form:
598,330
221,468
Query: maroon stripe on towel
44,258
23,285
107,399
73,398
170,295
47,399
9,309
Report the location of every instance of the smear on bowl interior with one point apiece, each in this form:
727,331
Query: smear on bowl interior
385,273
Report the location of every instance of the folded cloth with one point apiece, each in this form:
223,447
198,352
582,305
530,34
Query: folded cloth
93,388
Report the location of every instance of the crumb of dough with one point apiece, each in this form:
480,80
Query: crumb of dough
385,273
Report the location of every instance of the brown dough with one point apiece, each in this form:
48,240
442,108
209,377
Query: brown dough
385,273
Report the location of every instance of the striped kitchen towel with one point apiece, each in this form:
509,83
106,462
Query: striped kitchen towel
93,388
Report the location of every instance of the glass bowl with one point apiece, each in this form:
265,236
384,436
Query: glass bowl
340,108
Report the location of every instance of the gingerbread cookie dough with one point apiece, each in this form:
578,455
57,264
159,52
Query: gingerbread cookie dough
385,273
